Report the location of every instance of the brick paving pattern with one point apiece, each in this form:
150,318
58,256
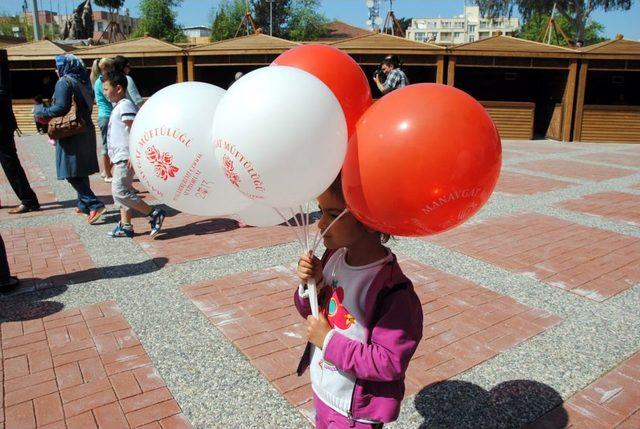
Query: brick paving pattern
574,169
613,401
525,184
81,368
464,324
587,261
47,256
625,160
612,205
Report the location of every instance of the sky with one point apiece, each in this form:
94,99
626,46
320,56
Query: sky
196,12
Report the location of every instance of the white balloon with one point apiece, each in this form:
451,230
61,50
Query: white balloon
262,215
280,135
171,151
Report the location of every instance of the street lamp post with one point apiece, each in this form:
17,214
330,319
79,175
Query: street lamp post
270,17
36,22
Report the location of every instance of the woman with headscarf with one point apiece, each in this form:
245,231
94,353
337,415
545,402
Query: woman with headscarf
76,157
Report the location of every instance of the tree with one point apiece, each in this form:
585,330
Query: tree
405,23
305,22
226,19
158,19
8,22
113,7
576,12
535,26
281,9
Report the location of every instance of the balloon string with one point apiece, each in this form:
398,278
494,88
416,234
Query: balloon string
305,226
317,243
299,228
288,224
306,213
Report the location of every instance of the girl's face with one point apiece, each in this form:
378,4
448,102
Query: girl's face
346,231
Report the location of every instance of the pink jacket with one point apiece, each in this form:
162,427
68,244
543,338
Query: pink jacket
393,321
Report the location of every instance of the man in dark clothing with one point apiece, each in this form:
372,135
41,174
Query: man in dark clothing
8,154
7,282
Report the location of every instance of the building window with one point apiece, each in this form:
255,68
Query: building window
420,36
458,24
472,29
483,35
445,37
484,24
446,24
100,25
432,24
432,37
457,35
472,39
420,25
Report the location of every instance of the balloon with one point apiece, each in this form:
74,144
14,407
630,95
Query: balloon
280,135
261,215
423,159
338,71
170,146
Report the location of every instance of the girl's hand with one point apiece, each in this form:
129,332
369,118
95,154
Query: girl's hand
309,267
317,330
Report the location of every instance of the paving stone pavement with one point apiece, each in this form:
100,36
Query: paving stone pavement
531,303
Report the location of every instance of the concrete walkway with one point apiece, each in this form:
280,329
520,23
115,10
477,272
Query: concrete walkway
531,309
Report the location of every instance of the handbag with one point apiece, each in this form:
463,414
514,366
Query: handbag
70,124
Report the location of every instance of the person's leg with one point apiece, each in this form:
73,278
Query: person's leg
16,175
103,124
86,198
7,281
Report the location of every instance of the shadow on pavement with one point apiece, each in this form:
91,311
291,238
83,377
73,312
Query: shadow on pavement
512,404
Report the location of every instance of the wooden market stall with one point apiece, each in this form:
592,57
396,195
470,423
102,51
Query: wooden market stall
218,62
422,62
32,69
154,63
527,87
608,95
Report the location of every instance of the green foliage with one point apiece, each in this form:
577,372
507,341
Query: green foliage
226,19
305,22
405,23
158,19
7,22
110,4
293,19
535,27
281,8
577,12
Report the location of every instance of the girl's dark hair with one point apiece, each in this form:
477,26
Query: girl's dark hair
120,62
115,78
38,99
335,189
392,60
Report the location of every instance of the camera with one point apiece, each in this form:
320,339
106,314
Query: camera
379,73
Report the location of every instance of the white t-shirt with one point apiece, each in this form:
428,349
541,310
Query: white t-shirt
346,311
118,133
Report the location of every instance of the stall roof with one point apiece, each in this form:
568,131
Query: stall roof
503,46
40,50
338,31
380,43
141,47
245,45
616,48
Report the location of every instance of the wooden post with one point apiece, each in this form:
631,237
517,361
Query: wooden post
180,69
582,88
190,71
451,71
440,70
568,100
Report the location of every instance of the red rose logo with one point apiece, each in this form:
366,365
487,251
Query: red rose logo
229,171
162,163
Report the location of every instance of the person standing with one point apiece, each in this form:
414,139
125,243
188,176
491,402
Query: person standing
121,64
7,281
98,71
8,154
395,77
76,156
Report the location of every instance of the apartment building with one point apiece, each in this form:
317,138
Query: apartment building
465,28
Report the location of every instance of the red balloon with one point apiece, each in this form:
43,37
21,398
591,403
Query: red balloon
338,71
423,159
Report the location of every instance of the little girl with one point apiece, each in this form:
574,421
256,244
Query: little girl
369,327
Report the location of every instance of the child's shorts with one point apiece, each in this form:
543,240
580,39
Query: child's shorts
122,186
327,418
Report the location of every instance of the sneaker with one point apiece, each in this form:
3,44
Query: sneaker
94,215
121,231
155,220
